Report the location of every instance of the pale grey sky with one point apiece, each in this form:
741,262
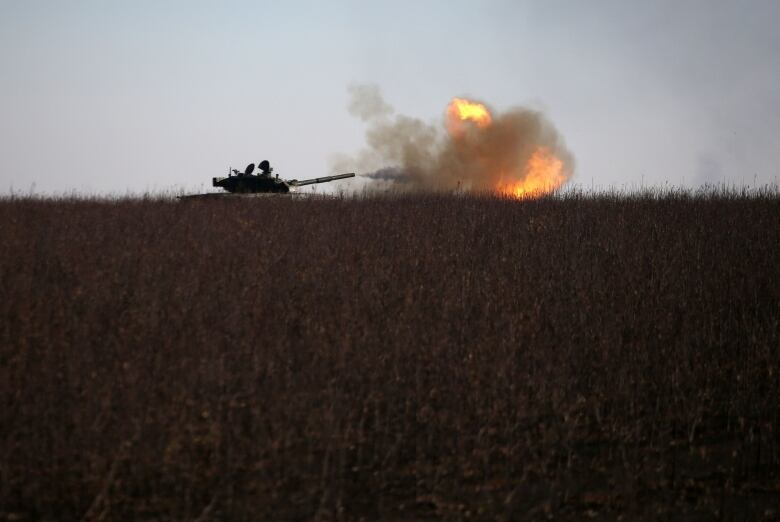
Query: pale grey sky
106,96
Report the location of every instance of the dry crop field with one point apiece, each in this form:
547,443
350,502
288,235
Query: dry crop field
401,358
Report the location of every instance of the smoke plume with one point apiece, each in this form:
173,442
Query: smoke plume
517,151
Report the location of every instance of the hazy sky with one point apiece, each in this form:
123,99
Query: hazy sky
109,96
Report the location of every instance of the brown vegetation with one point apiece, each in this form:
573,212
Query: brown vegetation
399,358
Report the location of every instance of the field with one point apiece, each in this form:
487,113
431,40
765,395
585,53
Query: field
402,358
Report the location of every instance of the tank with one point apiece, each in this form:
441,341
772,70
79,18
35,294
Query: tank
248,183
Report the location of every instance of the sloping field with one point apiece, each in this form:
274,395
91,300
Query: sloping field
399,358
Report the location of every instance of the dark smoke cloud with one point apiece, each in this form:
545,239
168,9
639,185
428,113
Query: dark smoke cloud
392,174
410,154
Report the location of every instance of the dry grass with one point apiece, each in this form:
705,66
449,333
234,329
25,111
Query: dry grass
400,358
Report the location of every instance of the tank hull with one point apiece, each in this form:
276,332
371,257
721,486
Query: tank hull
252,184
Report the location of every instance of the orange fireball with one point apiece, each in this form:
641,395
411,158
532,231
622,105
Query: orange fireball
542,173
463,110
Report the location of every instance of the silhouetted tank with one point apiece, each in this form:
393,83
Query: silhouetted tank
248,183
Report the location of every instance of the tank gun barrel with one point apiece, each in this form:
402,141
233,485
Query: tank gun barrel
301,183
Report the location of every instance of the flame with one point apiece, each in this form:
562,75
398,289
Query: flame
542,173
461,110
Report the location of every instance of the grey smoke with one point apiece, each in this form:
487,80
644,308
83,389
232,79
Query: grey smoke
392,174
366,102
